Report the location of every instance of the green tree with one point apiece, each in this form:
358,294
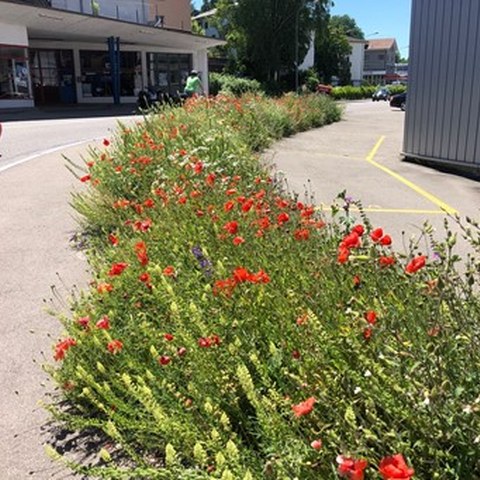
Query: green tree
348,25
332,48
264,34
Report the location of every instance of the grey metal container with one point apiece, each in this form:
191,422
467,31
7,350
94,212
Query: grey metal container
442,123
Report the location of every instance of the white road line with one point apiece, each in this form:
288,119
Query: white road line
46,152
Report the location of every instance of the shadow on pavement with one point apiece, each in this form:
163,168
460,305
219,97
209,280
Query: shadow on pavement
68,111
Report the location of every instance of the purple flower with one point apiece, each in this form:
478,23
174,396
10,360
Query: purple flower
204,262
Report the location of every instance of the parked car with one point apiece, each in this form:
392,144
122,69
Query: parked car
399,101
381,94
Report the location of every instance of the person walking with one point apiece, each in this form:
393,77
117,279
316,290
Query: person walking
194,84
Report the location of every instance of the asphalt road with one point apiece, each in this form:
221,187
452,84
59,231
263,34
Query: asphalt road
23,140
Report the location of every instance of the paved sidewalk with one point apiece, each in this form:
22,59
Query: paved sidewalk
35,224
361,155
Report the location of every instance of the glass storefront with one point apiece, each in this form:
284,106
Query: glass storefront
96,74
168,72
14,77
53,76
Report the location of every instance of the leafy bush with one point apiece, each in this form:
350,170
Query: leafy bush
232,85
232,332
357,93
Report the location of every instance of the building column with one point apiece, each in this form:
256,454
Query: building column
200,63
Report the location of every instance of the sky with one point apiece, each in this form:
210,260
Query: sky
390,18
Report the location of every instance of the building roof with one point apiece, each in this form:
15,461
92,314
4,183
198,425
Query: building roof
208,13
356,40
61,25
382,44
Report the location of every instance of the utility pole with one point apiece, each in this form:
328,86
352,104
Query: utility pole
297,18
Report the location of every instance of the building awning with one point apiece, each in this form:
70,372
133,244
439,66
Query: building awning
50,24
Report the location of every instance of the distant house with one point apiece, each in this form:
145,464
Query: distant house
207,24
357,59
380,56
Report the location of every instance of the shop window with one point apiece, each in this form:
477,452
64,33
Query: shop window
14,76
168,72
130,74
96,73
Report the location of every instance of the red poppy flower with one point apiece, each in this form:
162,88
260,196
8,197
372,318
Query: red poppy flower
83,321
281,203
352,240
395,468
104,287
351,468
260,277
386,261
231,227
85,178
169,271
198,167
117,269
386,240
168,337
149,203
371,317
238,241
103,323
357,281
416,264
367,333
62,347
228,206
106,142
304,408
141,251
307,212
247,205
241,275
296,354
144,277
359,230
224,286
204,342
210,179
181,351
376,235
113,239
283,218
316,444
343,255
115,346
164,360
302,234
142,225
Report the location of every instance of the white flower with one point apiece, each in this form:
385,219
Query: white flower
367,374
357,390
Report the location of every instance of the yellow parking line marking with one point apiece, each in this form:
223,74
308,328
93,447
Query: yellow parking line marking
370,159
326,208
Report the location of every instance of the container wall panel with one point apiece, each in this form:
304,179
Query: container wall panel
443,104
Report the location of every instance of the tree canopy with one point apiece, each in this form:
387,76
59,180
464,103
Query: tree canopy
265,34
348,25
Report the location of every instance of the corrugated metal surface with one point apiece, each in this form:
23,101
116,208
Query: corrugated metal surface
443,102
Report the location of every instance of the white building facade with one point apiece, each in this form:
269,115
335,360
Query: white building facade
357,60
54,56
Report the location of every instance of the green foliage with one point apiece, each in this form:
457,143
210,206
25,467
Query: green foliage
348,25
357,93
232,85
263,34
219,305
331,54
